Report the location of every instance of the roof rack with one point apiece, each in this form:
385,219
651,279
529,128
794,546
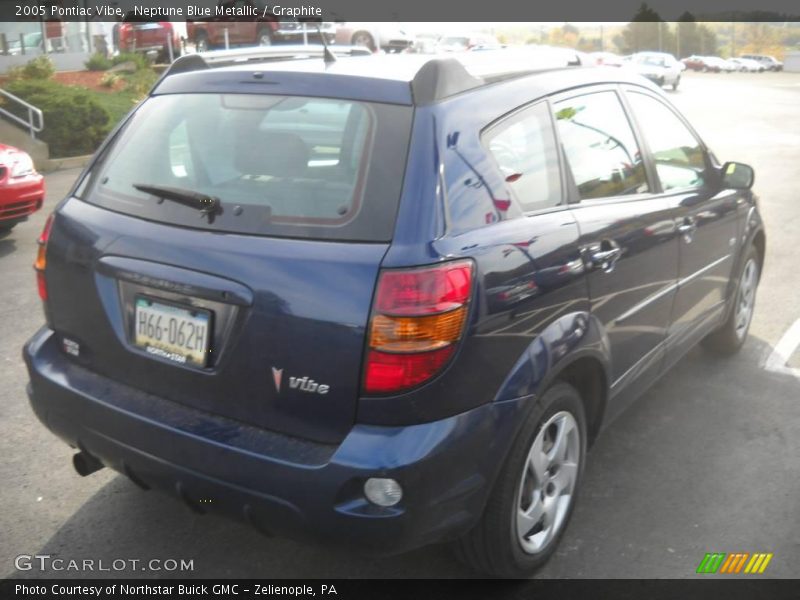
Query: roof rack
221,58
450,74
431,79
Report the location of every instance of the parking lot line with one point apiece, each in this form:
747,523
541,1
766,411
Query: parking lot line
783,350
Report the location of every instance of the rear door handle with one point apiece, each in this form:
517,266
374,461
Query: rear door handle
605,255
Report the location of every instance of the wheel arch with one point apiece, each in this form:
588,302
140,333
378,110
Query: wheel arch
573,349
589,377
760,243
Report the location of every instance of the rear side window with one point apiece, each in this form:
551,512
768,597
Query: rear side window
678,156
524,149
600,146
279,165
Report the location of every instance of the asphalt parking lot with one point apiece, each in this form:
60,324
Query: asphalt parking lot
707,461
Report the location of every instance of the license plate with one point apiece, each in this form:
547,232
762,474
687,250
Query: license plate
173,332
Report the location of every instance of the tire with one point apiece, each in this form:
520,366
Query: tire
363,38
201,43
729,338
676,84
497,546
661,82
264,37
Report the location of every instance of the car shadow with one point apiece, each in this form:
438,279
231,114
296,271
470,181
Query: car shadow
631,498
8,245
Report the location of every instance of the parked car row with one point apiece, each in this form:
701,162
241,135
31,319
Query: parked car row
748,63
663,69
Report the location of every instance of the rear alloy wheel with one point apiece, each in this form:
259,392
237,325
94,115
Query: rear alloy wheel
548,482
533,498
729,338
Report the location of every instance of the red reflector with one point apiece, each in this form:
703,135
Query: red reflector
41,259
424,291
393,372
40,283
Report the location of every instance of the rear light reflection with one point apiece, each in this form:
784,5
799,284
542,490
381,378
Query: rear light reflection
418,318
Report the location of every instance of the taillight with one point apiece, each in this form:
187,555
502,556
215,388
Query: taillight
417,320
41,259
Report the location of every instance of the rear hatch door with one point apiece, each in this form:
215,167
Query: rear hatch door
256,311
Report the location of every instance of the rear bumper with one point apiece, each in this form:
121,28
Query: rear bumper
21,197
279,484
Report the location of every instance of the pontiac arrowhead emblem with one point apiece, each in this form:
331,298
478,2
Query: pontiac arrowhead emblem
277,374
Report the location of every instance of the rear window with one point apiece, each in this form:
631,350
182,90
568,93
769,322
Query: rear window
279,165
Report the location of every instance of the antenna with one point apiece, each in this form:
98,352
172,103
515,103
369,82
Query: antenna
327,55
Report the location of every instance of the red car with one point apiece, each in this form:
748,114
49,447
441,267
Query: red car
21,187
138,35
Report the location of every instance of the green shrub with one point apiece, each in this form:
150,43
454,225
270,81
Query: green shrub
16,73
98,62
74,122
109,79
141,82
40,67
141,61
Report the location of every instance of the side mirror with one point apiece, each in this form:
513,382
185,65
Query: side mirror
737,176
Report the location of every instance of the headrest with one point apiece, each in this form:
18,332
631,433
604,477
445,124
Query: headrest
272,153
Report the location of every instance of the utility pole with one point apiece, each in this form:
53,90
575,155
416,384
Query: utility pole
660,48
678,40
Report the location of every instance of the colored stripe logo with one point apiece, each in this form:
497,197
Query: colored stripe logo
734,563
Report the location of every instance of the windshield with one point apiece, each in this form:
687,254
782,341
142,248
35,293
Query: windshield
278,165
653,61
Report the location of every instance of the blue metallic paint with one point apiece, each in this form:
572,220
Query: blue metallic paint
298,467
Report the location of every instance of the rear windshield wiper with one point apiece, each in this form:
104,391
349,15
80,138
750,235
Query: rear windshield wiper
207,205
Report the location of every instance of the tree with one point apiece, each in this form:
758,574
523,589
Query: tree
565,36
647,31
762,38
589,44
708,41
692,38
